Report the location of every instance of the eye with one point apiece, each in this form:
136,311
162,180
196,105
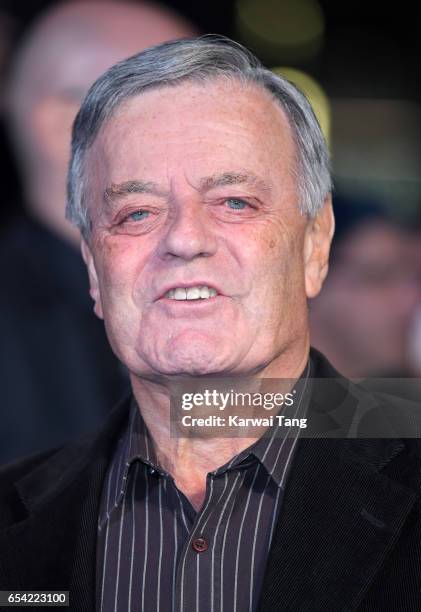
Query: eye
236,203
138,215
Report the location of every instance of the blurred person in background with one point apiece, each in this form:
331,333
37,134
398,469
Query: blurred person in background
8,26
415,332
362,318
6,30
57,373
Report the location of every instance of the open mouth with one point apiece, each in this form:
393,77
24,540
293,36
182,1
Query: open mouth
198,292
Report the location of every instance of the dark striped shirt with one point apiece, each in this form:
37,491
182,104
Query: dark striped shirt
156,553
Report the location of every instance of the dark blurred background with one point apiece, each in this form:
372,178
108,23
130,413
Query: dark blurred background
359,65
365,55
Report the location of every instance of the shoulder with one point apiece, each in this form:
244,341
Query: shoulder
395,412
10,503
376,408
31,481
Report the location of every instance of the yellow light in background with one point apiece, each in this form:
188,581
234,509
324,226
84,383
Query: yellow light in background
281,30
315,94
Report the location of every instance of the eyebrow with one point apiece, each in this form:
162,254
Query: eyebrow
116,191
233,178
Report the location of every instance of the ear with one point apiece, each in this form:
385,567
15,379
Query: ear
93,278
52,118
317,240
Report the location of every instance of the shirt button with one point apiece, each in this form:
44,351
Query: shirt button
200,545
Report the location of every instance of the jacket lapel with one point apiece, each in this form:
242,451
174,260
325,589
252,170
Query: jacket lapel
339,519
52,548
340,516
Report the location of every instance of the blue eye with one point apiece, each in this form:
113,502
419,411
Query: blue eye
236,204
138,215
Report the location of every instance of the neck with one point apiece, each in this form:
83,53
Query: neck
190,459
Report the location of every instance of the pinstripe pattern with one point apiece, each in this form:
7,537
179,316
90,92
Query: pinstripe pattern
146,562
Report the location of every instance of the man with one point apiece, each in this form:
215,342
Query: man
361,319
200,183
54,351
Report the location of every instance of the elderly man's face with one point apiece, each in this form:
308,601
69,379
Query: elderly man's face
200,203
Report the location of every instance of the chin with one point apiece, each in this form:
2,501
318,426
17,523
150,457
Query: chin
196,356
195,361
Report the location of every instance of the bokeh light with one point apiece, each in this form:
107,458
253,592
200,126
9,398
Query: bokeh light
281,30
314,92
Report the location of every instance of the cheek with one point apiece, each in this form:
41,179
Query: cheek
118,269
274,256
284,253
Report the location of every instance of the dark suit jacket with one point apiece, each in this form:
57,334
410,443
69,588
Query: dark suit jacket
348,535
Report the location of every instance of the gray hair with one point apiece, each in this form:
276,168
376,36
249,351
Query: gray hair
199,60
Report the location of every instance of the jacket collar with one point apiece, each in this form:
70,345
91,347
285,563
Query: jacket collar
341,514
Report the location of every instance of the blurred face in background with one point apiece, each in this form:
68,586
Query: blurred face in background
363,315
66,50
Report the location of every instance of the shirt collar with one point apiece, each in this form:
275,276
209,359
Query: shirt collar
275,448
134,445
272,451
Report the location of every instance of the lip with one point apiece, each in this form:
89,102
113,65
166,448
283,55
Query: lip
196,283
189,310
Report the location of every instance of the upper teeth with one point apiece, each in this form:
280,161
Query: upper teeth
191,293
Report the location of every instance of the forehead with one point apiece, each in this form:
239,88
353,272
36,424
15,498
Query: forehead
197,128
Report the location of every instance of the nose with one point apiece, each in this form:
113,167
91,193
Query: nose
188,231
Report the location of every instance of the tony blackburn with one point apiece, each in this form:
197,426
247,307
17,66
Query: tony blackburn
237,421
194,166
